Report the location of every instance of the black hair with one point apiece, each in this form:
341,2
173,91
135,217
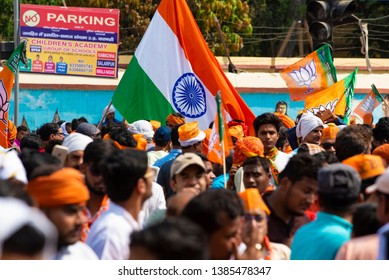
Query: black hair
98,150
121,171
353,140
365,219
82,120
257,160
206,208
47,129
38,164
75,123
267,118
22,128
173,239
31,141
8,189
381,130
326,157
174,136
27,240
283,132
122,135
282,103
300,166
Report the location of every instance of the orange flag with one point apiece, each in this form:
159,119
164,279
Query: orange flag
337,98
364,111
312,74
219,135
7,76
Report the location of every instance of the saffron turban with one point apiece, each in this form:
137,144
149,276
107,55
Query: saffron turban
382,151
252,200
245,128
330,132
306,124
248,146
65,186
175,120
367,166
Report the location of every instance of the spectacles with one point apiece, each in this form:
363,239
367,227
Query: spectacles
60,133
327,146
256,217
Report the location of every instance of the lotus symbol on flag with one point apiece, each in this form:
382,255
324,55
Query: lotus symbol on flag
305,76
4,104
189,96
330,105
368,105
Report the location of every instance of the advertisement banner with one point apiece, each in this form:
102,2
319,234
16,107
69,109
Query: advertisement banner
70,40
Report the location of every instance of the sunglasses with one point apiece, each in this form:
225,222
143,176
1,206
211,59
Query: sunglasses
327,146
256,217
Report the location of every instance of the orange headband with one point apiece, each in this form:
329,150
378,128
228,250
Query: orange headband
252,200
63,187
248,146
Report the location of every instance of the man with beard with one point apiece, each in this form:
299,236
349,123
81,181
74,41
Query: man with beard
98,202
51,135
62,196
76,144
128,180
295,193
309,129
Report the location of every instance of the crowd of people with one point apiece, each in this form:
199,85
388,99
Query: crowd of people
312,188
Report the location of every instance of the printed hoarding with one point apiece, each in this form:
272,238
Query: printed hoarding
70,41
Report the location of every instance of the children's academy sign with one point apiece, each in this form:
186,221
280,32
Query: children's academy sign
70,41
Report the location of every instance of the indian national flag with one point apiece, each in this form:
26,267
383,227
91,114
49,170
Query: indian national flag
337,98
7,76
173,70
312,74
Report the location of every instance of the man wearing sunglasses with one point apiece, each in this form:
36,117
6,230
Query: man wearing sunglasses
328,138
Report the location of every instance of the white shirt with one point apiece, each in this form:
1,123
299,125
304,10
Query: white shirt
281,160
110,234
76,251
156,201
153,156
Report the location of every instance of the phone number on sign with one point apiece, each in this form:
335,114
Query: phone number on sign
241,270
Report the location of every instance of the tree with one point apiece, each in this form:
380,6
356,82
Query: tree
234,19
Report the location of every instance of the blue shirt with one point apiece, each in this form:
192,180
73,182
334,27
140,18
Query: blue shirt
321,239
218,182
172,155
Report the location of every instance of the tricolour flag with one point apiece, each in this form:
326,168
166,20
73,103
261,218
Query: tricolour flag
7,76
219,135
312,74
173,70
337,98
364,111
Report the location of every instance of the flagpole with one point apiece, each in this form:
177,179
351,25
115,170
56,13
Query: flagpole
375,90
104,115
16,43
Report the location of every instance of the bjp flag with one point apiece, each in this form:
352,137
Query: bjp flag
312,74
364,111
219,136
337,98
7,76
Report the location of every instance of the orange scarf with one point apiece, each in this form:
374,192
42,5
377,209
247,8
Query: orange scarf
272,155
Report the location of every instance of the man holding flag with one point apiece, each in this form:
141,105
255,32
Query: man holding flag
173,70
7,76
